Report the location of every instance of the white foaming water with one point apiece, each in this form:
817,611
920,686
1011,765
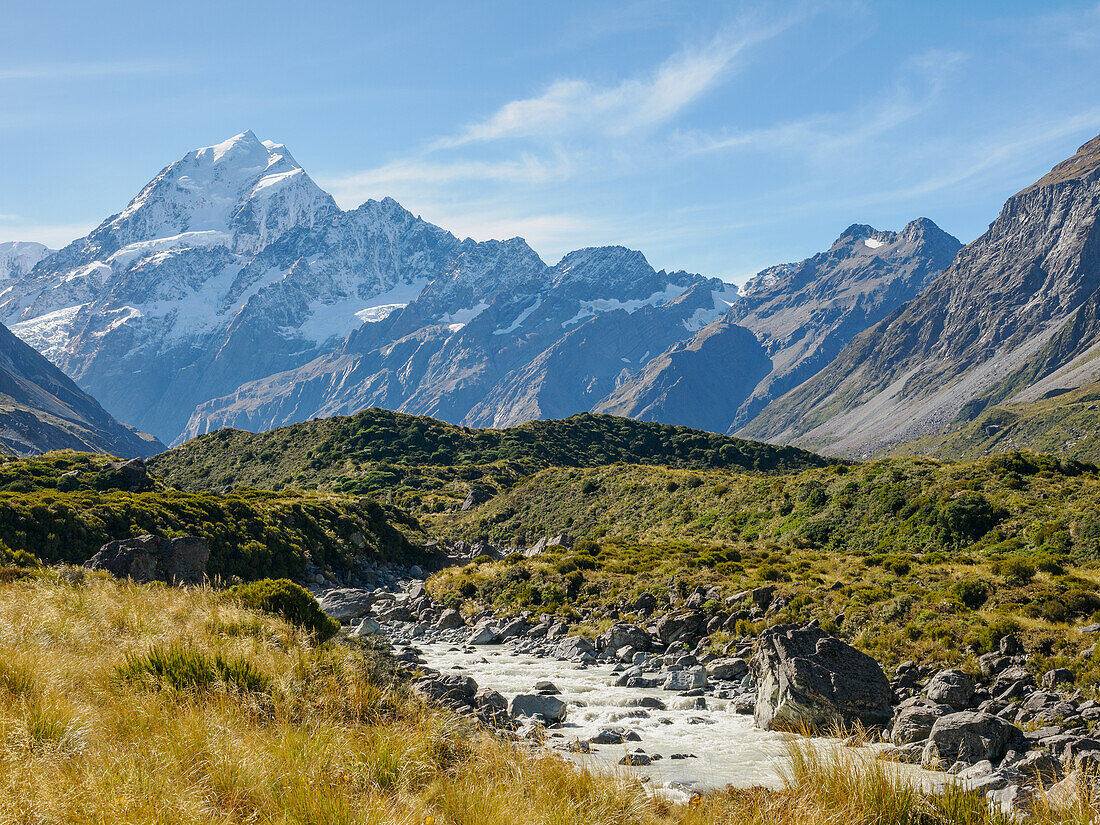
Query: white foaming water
729,750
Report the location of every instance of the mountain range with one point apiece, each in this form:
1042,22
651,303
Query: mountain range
232,291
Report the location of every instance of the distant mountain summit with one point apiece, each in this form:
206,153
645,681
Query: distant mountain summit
791,321
1016,317
17,258
232,291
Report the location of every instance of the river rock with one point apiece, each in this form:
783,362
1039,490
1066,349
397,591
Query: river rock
687,679
968,736
450,619
367,627
574,648
491,707
347,603
439,686
145,559
807,678
544,687
484,634
913,719
727,670
623,635
550,708
682,625
950,687
614,736
636,759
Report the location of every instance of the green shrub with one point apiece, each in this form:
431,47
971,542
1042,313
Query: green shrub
184,669
292,602
973,593
1016,570
968,517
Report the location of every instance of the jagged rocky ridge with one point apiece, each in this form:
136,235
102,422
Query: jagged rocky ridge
232,291
1014,318
801,315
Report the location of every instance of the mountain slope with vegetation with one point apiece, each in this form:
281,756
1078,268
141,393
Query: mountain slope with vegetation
1067,423
908,558
1015,318
378,450
64,506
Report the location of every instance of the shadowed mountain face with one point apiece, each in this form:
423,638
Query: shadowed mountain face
791,321
41,409
1014,318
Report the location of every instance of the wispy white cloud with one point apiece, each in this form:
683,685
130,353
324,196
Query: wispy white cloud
573,126
578,106
923,79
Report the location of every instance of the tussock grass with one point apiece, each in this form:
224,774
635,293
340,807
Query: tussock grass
114,709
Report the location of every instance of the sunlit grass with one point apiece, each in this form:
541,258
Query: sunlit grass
114,709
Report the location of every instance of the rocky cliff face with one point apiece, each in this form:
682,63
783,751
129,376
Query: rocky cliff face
41,409
1015,317
791,321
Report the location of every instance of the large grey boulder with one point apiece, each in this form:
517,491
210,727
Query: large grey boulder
914,718
491,707
574,648
968,736
153,559
727,670
367,627
438,686
682,625
623,635
450,619
950,687
687,679
347,603
550,708
808,679
484,634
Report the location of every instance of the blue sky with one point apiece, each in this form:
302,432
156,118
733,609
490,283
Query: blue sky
715,137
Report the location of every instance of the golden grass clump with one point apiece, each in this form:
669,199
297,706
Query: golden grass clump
131,704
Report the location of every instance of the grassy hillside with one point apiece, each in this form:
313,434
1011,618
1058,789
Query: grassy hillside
1068,424
130,705
908,558
424,462
47,511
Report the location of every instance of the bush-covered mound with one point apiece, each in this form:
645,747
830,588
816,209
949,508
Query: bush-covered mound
252,534
288,601
414,457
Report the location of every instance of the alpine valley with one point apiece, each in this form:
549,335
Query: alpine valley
233,292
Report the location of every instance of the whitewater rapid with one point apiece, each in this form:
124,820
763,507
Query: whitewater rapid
727,748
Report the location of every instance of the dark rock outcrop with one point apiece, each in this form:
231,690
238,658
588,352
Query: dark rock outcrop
968,736
153,559
807,679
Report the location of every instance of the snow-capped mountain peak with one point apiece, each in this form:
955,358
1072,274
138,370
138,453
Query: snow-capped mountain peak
17,258
253,190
